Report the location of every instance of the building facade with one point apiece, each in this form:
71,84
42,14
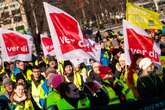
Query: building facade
12,15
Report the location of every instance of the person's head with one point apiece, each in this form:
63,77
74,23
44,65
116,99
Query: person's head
8,85
50,70
162,39
122,60
122,44
20,65
7,65
19,90
146,65
11,65
95,67
91,61
52,62
102,45
76,63
54,80
105,40
20,79
157,38
36,72
138,58
68,67
116,52
69,90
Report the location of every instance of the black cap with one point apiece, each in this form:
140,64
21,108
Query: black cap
20,76
67,62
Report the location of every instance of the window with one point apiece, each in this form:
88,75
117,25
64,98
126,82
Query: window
17,18
5,15
10,29
14,12
7,21
2,1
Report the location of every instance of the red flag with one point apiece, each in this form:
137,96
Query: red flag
47,45
136,40
15,46
66,35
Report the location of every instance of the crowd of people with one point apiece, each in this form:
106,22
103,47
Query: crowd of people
48,84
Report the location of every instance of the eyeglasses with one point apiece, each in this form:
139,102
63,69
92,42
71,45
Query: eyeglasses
36,71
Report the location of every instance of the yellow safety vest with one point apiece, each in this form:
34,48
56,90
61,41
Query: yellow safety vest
63,104
29,73
114,98
27,106
37,92
52,99
126,90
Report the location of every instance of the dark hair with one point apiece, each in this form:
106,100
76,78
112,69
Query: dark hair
91,59
35,67
67,62
82,65
64,87
20,76
52,58
18,84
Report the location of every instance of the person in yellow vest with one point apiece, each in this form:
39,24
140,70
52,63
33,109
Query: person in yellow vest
113,97
20,99
80,68
124,92
71,98
94,73
97,94
19,67
36,87
8,87
70,76
121,70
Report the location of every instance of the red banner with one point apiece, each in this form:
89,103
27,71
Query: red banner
47,45
66,35
15,46
137,41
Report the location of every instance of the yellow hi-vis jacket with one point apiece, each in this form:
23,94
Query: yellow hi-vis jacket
63,104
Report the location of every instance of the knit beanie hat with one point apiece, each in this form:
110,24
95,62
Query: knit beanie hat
20,76
144,63
66,63
55,80
50,70
104,70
